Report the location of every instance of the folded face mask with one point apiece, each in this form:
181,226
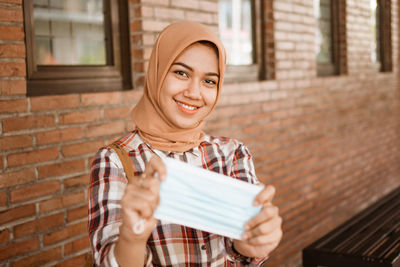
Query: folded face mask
205,200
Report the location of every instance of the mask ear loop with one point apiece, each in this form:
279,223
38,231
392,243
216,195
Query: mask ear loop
138,227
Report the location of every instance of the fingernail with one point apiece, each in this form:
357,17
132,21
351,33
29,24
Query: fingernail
246,227
256,203
244,236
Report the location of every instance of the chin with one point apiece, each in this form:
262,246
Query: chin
186,125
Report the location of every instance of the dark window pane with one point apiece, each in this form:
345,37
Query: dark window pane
235,26
323,12
375,55
43,49
69,32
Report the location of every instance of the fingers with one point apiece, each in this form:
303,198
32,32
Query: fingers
266,213
267,220
142,193
265,227
269,232
156,165
149,183
140,199
266,195
143,208
271,239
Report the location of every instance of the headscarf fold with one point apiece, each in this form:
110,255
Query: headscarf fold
152,125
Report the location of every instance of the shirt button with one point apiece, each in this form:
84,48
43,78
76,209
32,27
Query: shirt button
203,247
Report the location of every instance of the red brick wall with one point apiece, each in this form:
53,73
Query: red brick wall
330,145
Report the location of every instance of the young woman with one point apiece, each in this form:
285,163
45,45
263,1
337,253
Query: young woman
183,84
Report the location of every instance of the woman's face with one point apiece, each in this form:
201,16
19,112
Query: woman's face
190,87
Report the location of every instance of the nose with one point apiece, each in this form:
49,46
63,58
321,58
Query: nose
193,90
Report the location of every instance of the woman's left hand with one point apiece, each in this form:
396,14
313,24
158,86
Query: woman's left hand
264,231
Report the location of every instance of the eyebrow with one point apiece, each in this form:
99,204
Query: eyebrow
191,69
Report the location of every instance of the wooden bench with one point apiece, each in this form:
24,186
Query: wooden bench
369,239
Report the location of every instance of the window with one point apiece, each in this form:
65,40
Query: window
381,43
375,44
76,46
330,37
241,31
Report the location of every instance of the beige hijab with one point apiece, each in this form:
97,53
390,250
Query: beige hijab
151,123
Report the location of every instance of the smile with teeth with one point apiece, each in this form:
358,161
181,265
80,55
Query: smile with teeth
186,106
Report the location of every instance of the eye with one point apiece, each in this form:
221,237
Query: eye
211,82
181,73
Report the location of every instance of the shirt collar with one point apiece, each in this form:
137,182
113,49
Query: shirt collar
137,140
194,151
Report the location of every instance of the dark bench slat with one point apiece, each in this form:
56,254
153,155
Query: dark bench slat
394,255
370,238
312,258
356,239
352,230
379,238
342,230
391,243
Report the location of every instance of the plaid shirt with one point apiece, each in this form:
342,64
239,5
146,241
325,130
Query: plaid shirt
169,244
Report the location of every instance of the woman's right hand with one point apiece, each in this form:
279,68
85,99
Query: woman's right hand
140,200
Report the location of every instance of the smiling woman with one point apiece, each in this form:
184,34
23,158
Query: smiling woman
189,90
183,84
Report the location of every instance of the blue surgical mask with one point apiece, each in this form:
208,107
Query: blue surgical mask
205,200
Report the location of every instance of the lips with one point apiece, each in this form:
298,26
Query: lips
187,108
